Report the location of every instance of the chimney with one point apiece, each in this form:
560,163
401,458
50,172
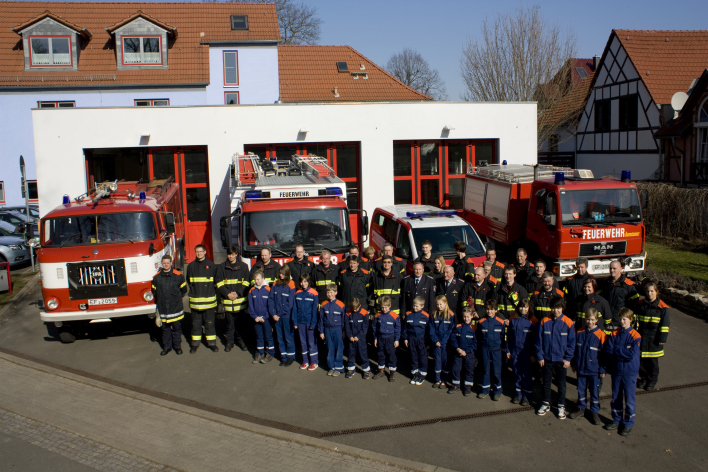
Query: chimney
595,62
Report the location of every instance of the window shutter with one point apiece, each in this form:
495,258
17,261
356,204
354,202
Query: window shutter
230,69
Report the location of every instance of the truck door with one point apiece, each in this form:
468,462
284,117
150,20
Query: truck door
543,223
404,242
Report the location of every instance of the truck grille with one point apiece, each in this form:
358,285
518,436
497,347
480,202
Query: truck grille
609,248
98,279
98,275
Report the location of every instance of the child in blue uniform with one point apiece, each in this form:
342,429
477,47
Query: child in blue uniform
305,320
415,330
330,325
280,306
258,309
588,363
356,325
519,347
463,343
387,330
490,339
441,324
623,355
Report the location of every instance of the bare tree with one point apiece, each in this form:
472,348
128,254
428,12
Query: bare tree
519,57
298,22
410,68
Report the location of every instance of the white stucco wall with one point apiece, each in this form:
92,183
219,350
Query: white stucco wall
60,135
257,71
642,166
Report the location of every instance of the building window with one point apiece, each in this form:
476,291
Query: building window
628,105
63,104
239,22
160,102
231,68
32,189
702,131
231,98
142,50
2,191
603,115
50,51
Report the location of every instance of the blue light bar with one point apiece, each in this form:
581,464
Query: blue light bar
504,162
447,213
626,176
142,196
337,191
417,214
252,194
273,159
65,200
426,214
560,178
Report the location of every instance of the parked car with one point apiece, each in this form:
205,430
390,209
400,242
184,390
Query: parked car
8,229
13,250
18,219
33,210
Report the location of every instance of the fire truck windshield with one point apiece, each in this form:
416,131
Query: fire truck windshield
98,229
444,238
315,229
600,206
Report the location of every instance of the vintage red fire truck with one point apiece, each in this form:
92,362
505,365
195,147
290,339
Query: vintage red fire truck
559,214
281,204
99,252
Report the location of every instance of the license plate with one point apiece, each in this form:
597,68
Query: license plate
102,301
601,266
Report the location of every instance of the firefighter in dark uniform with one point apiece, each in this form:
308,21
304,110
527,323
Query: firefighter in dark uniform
590,299
398,265
169,287
475,294
201,273
497,269
620,292
325,273
451,287
269,267
535,281
541,298
388,282
300,265
418,285
344,265
573,286
524,269
509,292
463,265
427,258
233,283
354,282
653,318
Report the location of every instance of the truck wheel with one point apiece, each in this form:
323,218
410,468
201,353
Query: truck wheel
2,259
66,337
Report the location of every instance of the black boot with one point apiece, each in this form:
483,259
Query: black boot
193,349
228,347
241,345
166,351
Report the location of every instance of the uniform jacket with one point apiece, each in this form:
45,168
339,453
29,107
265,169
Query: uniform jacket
425,289
535,283
428,264
200,280
436,276
388,285
653,319
589,357
270,271
508,298
464,337
592,301
475,296
452,292
258,302
281,299
490,334
573,286
623,352
541,302
331,316
497,270
415,324
555,339
440,329
356,323
299,267
520,335
398,266
354,284
233,278
305,308
619,294
322,277
464,268
523,272
168,289
387,325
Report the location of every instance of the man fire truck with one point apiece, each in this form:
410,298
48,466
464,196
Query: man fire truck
559,214
99,253
282,204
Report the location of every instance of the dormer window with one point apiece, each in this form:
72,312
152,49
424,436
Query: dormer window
47,51
142,50
239,22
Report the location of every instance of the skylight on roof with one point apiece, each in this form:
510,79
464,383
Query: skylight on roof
342,67
581,72
239,22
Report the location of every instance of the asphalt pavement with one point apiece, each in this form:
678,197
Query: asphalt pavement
416,423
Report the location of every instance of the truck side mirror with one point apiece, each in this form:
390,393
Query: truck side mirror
224,230
402,253
170,223
29,231
365,225
548,208
547,219
644,199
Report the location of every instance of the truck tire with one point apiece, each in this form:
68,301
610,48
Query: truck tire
66,337
2,259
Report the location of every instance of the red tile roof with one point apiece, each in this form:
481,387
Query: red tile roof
571,105
47,14
667,61
310,74
188,55
586,64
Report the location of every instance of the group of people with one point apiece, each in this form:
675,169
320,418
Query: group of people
463,321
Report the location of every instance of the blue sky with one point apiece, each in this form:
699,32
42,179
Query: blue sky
439,29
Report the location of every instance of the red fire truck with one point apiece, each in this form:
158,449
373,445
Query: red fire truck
281,204
559,214
99,253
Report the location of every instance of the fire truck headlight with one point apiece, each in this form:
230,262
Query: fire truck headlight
567,269
636,264
52,304
148,296
113,186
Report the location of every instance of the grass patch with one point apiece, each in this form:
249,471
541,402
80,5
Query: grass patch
19,280
685,258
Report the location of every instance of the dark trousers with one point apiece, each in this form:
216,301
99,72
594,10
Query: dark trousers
232,334
490,362
463,362
589,384
440,362
285,334
264,337
207,318
358,349
386,353
624,388
521,368
335,349
172,335
649,370
308,344
550,370
419,356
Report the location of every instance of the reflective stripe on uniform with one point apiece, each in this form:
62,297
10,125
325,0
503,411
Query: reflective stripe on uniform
653,354
201,279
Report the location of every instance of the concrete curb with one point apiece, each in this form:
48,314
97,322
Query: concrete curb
19,296
235,423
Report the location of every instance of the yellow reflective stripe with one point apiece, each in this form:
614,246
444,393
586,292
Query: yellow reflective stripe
170,320
542,308
649,319
220,284
653,354
184,284
201,279
636,295
202,299
664,329
234,281
478,301
196,338
202,306
211,337
153,287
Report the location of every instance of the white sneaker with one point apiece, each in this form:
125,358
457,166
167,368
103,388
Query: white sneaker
412,382
419,380
543,409
561,412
